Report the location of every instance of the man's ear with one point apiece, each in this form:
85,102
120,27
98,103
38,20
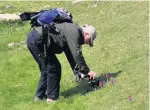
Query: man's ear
86,37
86,34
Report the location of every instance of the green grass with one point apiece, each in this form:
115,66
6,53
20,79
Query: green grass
121,44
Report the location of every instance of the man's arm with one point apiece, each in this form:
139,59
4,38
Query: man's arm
73,52
69,57
76,56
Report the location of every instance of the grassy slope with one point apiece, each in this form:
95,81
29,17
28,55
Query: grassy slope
121,44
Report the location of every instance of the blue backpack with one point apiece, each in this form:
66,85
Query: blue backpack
55,15
51,35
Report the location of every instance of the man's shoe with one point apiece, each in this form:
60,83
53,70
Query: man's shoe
50,100
38,99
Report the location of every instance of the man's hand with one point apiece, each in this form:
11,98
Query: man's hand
92,74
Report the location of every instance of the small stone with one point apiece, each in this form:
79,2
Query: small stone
95,5
11,44
9,6
76,1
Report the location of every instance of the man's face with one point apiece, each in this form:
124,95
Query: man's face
89,34
86,37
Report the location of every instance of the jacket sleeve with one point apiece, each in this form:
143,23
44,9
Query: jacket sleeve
76,53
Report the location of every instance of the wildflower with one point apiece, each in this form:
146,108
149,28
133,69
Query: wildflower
100,84
107,76
113,82
130,98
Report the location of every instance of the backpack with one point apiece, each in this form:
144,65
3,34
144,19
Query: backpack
44,17
51,35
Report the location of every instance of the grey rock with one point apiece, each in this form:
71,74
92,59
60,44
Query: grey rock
94,5
7,17
9,6
77,1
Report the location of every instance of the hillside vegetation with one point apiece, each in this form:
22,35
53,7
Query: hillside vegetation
121,45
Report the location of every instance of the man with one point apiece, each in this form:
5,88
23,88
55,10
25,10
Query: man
71,39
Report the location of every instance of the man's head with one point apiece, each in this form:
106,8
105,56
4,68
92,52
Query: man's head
89,33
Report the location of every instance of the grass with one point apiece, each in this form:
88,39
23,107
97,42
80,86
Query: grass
121,44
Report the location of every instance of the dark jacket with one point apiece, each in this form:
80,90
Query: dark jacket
71,43
73,47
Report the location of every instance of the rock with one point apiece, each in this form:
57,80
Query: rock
46,6
77,1
11,44
9,6
18,45
8,17
94,5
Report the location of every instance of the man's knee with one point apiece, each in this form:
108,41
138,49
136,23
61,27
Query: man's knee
54,68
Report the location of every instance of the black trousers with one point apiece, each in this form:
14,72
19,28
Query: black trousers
49,83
